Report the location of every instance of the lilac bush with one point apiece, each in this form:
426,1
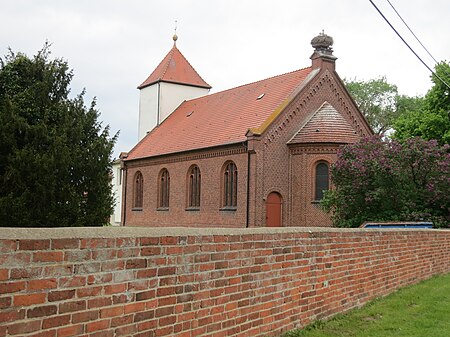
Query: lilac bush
386,180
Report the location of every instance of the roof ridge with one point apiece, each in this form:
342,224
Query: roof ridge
313,114
308,119
264,79
168,61
144,84
320,118
190,64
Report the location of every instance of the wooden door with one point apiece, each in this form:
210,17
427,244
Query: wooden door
273,210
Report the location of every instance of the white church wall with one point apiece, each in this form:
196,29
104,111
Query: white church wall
117,193
148,109
172,95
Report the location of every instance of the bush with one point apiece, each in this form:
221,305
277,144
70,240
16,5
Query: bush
386,180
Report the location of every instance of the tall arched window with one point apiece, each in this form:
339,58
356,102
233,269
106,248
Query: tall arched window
138,195
322,179
164,189
230,176
194,186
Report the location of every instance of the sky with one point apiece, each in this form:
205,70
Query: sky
113,45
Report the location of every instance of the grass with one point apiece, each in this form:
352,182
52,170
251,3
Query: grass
415,311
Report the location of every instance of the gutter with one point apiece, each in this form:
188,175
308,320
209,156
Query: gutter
158,108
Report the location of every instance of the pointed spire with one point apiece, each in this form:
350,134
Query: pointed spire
174,68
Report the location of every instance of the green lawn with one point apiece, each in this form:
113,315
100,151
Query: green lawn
421,310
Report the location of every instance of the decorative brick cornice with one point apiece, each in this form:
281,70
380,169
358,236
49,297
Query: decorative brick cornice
180,157
315,149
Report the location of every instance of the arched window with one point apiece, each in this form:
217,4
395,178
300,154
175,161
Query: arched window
138,195
322,180
164,189
194,186
230,176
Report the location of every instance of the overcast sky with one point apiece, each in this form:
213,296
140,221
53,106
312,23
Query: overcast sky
113,45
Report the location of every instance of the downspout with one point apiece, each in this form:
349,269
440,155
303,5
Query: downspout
248,188
158,107
289,203
124,193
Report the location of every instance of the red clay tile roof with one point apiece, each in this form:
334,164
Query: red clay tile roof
175,68
325,125
221,118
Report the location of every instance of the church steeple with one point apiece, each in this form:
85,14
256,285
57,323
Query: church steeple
175,68
173,81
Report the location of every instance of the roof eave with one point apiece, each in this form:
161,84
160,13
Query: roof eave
305,144
207,148
142,86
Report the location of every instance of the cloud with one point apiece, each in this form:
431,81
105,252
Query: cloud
114,45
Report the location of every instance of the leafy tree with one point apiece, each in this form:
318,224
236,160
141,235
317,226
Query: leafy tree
432,120
55,156
406,104
381,180
378,101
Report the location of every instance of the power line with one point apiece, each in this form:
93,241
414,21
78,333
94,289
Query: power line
398,14
406,43
410,30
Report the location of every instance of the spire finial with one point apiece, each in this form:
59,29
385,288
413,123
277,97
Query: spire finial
175,36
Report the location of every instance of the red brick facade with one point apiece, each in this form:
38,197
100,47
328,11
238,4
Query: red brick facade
210,213
111,282
272,159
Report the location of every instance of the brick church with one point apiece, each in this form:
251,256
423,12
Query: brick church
251,156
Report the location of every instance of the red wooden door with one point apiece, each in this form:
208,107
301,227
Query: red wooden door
273,210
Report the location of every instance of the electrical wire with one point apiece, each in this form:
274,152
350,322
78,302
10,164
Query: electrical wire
398,14
406,43
413,34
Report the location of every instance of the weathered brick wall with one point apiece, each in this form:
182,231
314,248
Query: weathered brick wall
109,282
210,163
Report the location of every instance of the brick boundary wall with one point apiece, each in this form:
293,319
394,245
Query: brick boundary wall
108,282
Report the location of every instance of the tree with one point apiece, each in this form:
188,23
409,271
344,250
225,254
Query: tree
406,104
377,100
381,180
432,120
55,157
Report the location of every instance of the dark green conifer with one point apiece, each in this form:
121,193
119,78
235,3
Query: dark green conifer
55,156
